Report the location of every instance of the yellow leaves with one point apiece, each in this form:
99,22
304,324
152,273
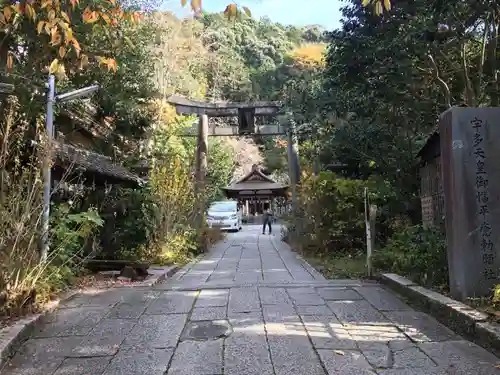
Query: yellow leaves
231,10
7,12
196,5
108,62
379,5
54,66
55,37
309,56
65,16
46,3
39,27
90,16
183,3
52,15
106,18
68,33
10,61
247,11
30,12
84,61
76,46
54,20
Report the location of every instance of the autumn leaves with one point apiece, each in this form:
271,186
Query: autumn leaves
60,29
56,22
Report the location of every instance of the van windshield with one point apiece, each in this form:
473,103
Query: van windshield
223,207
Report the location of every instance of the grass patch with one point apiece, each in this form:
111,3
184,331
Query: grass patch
340,267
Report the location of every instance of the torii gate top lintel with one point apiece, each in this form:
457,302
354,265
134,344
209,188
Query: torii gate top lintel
223,109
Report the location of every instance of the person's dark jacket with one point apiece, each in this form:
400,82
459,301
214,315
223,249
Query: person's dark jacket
268,216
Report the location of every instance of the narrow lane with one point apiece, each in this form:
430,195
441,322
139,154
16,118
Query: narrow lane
249,307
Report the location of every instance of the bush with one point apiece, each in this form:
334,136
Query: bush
417,253
331,217
129,223
25,282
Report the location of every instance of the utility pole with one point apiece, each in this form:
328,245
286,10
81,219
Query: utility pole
293,160
201,167
49,121
52,99
370,217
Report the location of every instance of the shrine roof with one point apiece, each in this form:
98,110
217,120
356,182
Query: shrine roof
255,180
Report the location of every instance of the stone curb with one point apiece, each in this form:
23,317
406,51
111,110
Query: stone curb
456,315
11,337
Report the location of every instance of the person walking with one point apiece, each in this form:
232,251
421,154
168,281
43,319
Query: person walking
268,218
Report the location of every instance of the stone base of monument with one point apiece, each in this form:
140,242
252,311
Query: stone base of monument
459,317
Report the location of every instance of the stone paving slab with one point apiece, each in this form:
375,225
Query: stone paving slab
274,296
156,331
212,298
326,332
339,294
197,358
244,299
140,361
350,362
79,366
209,313
420,327
247,354
290,322
172,303
382,299
292,353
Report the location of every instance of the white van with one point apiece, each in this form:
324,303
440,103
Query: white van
225,215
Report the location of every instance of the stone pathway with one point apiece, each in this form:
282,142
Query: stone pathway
250,307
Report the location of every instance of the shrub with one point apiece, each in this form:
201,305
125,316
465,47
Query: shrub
25,282
331,217
129,223
418,253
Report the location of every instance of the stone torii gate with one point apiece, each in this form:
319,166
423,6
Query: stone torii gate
246,113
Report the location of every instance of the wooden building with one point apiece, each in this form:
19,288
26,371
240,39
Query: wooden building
72,163
81,140
257,192
431,187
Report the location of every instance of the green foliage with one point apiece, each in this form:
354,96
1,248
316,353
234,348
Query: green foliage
332,212
69,232
128,215
418,253
220,168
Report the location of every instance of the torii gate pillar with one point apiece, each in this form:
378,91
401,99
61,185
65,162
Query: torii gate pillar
201,168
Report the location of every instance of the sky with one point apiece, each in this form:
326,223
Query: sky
288,12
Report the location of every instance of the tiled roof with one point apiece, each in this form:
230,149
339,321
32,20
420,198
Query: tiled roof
93,162
255,180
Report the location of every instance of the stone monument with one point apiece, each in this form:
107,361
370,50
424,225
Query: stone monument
470,156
